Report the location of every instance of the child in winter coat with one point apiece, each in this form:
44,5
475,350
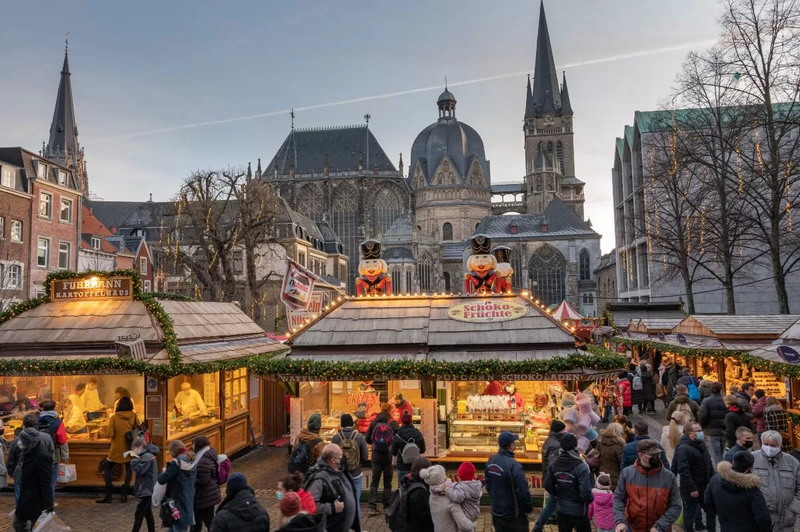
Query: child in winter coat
602,507
143,463
467,492
447,516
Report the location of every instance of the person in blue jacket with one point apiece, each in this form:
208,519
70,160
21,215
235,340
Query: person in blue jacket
508,487
629,452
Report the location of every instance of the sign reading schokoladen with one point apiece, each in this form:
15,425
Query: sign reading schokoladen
92,289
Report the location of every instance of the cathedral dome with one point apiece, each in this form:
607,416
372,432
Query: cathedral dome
447,138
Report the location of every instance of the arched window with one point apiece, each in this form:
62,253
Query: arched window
447,231
516,265
395,281
446,282
560,155
425,273
310,203
547,268
385,211
550,148
539,184
591,299
583,265
409,286
539,150
346,223
585,299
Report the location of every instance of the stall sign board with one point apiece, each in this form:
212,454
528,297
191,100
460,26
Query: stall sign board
298,286
487,311
93,289
152,384
768,382
297,318
153,407
158,427
568,376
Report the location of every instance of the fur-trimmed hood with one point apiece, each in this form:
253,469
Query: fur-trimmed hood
735,481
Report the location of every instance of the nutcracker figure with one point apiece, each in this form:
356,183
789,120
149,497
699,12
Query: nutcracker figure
373,277
481,277
504,271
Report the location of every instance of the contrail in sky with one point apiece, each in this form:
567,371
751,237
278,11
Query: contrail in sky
642,53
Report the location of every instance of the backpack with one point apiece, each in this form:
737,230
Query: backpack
299,460
333,486
637,383
135,432
48,427
382,436
397,511
410,451
350,450
688,415
223,469
694,392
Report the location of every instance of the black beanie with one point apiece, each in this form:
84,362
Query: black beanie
557,426
742,461
569,442
347,421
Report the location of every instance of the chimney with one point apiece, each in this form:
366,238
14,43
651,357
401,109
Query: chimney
114,229
544,226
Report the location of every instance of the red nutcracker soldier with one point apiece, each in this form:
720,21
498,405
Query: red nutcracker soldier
502,255
481,277
373,279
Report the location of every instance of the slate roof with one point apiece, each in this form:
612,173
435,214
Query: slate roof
737,326
454,250
508,188
571,180
401,228
63,128
546,94
112,213
331,243
562,222
624,312
24,159
133,243
607,261
344,147
400,254
566,105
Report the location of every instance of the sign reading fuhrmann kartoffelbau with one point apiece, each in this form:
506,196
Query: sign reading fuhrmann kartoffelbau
93,288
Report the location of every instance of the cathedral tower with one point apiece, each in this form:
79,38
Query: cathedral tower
63,146
549,146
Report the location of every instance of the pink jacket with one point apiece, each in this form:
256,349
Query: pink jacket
602,508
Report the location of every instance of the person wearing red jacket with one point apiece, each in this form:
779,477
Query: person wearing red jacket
495,388
49,423
625,386
400,405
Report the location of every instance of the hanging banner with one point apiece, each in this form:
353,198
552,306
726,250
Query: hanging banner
298,285
297,318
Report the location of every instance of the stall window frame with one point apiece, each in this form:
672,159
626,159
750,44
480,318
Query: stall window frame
244,393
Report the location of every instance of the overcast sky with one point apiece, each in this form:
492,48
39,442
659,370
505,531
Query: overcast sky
141,69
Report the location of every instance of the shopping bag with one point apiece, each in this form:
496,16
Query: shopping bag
50,522
679,520
66,473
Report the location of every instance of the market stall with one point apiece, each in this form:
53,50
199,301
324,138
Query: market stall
96,338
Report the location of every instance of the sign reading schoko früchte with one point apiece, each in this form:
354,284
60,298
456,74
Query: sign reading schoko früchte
94,288
487,311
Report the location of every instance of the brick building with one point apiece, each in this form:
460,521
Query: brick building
15,240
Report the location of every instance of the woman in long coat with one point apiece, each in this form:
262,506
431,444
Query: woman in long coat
648,389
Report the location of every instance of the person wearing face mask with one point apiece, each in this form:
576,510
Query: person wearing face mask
647,498
744,442
734,496
780,481
693,464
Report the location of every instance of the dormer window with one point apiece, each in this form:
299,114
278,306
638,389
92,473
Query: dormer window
513,228
41,169
62,178
96,243
544,227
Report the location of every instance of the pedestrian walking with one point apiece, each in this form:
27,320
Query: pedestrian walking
50,424
508,487
712,418
627,428
381,435
758,412
293,483
672,433
780,481
775,419
177,483
355,453
308,445
14,464
735,497
549,453
120,424
143,463
240,511
647,496
293,518
735,418
744,442
693,465
672,374
206,486
333,491
637,390
682,402
36,494
407,445
610,446
568,479
625,389
745,396
705,390
467,492
648,389
446,515
601,511
417,498
630,452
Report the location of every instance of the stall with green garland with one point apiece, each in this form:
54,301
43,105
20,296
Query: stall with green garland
96,336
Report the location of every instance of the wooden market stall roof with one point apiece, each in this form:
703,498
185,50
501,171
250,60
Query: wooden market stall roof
624,312
653,325
737,327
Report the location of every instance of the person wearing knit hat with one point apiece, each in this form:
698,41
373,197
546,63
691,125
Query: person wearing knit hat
550,450
601,509
289,505
735,495
239,510
466,471
569,480
355,453
434,475
405,439
467,491
447,516
569,442
309,436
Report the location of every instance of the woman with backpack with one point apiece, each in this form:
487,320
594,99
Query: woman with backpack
206,486
354,452
648,389
119,427
408,445
412,510
637,391
176,488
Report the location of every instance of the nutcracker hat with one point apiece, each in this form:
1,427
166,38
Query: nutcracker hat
502,254
480,244
371,249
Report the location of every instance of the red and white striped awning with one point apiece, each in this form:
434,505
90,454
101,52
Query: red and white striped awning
566,312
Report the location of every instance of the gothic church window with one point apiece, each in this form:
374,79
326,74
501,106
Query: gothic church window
550,148
309,203
386,210
583,265
409,285
585,299
547,269
447,231
446,282
346,225
425,273
549,183
516,265
560,155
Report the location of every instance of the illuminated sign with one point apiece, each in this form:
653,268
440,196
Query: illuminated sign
487,311
92,289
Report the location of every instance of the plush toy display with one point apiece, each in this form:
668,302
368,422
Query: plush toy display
502,255
482,275
373,277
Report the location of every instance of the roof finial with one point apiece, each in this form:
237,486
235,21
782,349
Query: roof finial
292,115
151,197
445,83
66,44
367,117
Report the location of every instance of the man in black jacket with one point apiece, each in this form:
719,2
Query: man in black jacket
406,434
549,453
381,462
693,464
508,488
712,419
35,496
734,495
568,479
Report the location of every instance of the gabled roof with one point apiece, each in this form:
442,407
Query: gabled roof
112,213
454,250
566,105
344,147
607,261
25,159
91,226
726,327
562,222
624,312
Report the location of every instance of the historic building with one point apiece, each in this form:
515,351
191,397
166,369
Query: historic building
425,217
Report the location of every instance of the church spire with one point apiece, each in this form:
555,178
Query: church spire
545,79
63,129
566,106
530,108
